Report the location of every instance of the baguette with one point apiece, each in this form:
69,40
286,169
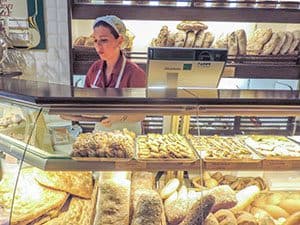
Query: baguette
199,211
170,188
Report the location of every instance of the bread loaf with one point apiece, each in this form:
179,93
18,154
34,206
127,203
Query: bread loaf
191,26
171,40
245,197
257,41
199,39
287,44
113,202
190,39
149,209
271,44
222,42
242,41
294,46
199,211
232,44
279,45
180,38
208,39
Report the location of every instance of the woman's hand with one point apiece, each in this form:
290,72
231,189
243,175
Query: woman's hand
112,119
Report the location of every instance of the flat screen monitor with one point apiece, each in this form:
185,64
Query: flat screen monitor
170,67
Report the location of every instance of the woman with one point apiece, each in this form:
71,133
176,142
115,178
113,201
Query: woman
113,70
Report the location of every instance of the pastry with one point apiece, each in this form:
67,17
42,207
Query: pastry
294,219
245,197
271,44
211,220
279,45
290,205
225,217
275,211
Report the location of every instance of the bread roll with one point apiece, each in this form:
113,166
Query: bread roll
208,40
225,217
271,44
190,39
232,44
149,209
274,198
211,220
180,39
290,205
199,211
287,44
242,41
199,39
266,220
275,211
282,37
245,197
294,219
170,188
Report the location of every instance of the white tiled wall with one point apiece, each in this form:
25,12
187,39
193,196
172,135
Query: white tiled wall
52,65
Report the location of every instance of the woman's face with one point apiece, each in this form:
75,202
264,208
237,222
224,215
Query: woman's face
106,45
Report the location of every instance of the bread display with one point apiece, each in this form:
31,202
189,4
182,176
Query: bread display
273,146
218,147
76,183
116,144
112,206
166,146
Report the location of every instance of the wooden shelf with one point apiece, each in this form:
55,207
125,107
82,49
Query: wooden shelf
268,67
138,12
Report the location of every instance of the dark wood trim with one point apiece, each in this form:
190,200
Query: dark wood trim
70,3
91,11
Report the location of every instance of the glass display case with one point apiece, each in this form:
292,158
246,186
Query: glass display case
54,172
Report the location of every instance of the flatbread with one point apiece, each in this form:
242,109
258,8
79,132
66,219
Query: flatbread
31,200
76,183
80,212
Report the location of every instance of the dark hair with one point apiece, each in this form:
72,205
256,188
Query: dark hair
112,30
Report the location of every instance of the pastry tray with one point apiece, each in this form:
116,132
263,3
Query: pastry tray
255,157
169,160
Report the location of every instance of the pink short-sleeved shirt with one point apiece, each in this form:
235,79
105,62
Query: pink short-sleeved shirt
133,76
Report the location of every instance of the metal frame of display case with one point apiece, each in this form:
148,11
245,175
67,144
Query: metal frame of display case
61,99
